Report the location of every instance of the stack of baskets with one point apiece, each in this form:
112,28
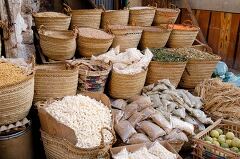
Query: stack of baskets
165,16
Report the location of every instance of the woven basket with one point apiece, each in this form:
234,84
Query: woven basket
165,16
16,100
165,70
54,81
58,45
141,16
125,36
182,35
52,20
196,71
89,80
154,37
59,140
85,17
125,86
114,17
95,43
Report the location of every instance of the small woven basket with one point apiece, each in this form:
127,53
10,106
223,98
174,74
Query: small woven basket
84,17
93,75
141,16
125,36
55,81
165,16
125,86
58,45
154,37
114,17
93,42
183,35
165,70
52,20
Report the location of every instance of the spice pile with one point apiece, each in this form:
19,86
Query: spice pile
155,151
163,55
11,74
132,61
194,54
85,116
221,99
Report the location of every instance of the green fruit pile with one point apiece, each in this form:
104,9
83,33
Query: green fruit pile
227,141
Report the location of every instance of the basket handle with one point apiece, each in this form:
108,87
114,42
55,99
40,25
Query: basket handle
75,30
102,136
67,8
173,6
187,22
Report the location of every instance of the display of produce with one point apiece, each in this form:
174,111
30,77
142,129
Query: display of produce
149,151
221,99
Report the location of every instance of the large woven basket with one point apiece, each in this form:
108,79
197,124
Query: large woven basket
165,16
55,81
16,100
85,17
91,80
52,20
125,86
196,71
165,70
114,17
154,37
125,36
58,45
182,35
93,42
59,140
141,16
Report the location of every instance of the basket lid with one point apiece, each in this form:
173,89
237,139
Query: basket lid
141,8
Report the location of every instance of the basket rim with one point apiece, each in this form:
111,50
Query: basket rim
158,29
38,15
114,11
194,27
28,78
165,62
125,28
72,36
168,10
142,8
130,75
111,36
85,10
45,67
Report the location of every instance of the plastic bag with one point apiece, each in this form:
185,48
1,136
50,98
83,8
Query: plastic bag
230,77
129,110
124,129
119,104
161,152
142,101
201,116
155,100
180,112
221,69
136,118
138,138
182,125
142,153
123,154
148,88
161,121
147,112
176,135
151,129
117,115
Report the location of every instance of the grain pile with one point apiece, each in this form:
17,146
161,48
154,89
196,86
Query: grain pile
86,116
220,99
10,74
93,33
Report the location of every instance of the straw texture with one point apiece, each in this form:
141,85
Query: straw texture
59,148
58,45
197,71
54,81
125,86
154,37
165,70
165,16
183,37
94,45
52,20
142,16
16,100
125,36
114,17
177,145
